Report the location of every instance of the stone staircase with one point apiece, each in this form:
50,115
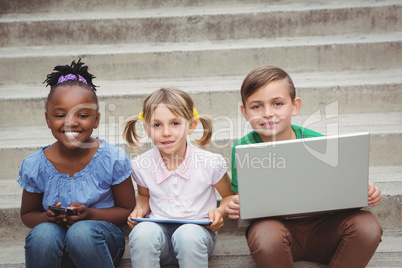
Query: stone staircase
345,57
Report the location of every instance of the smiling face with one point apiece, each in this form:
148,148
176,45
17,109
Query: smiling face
72,115
169,131
270,109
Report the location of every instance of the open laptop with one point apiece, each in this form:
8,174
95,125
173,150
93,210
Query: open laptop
302,177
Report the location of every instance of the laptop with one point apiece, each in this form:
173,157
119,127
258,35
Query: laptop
302,177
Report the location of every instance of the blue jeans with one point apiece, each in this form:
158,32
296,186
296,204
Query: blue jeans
156,244
84,244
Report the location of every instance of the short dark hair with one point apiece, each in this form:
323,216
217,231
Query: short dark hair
261,76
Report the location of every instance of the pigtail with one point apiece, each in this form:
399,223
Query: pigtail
130,134
206,122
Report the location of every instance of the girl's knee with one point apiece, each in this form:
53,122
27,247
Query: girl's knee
46,233
83,234
80,231
188,233
192,237
146,234
193,245
45,238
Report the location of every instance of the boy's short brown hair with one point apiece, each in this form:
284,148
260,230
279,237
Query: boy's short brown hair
261,76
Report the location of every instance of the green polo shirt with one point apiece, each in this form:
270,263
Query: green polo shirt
254,137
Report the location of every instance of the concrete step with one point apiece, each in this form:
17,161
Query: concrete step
192,24
16,143
355,92
77,6
231,251
334,53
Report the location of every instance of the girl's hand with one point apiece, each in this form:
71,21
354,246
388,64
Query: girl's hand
137,213
374,195
59,219
82,213
142,208
233,208
217,220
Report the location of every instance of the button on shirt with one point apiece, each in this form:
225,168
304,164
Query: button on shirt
186,193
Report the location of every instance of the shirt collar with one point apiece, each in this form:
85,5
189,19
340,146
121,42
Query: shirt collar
183,170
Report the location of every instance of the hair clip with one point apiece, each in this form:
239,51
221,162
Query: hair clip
141,116
69,77
195,113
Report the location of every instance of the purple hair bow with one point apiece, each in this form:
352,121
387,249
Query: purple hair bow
68,77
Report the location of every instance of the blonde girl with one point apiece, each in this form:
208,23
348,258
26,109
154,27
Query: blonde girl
175,180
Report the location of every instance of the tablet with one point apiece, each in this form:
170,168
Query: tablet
178,221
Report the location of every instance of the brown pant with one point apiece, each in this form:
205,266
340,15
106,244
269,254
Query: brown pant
345,239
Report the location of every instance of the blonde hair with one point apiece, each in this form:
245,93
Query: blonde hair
179,103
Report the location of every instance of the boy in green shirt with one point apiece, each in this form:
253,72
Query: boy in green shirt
344,239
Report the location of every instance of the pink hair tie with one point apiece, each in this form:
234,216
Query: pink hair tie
69,77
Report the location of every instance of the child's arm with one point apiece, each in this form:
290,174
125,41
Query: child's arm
142,207
32,212
374,195
124,202
217,215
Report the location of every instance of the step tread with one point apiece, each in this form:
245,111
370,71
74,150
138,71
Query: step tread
217,9
102,5
233,246
195,85
193,23
119,49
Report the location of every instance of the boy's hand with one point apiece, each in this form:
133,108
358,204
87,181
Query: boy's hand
217,220
137,213
233,208
374,195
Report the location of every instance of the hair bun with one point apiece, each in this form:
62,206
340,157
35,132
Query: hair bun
75,69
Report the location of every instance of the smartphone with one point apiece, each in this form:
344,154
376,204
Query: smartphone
60,210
